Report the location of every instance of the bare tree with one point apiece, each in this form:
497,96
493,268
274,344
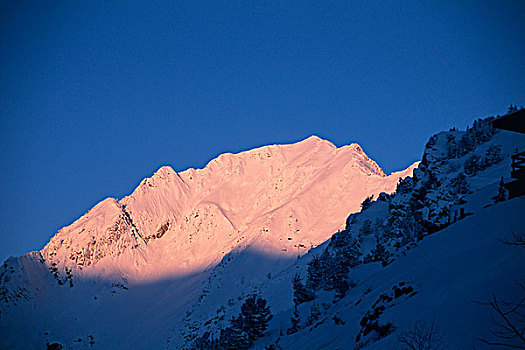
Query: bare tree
517,239
422,336
509,322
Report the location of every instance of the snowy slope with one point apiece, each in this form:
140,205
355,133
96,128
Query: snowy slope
137,264
449,271
443,235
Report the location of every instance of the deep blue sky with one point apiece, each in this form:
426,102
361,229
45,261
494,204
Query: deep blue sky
97,95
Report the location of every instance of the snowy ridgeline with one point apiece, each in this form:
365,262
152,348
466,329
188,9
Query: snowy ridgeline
418,265
135,265
255,231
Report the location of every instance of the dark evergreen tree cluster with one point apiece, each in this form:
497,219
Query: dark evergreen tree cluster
465,144
379,254
492,156
350,253
452,147
296,320
383,197
405,221
301,294
396,221
235,336
424,211
404,185
315,312
256,315
330,271
321,271
459,184
480,132
472,165
206,342
475,164
244,328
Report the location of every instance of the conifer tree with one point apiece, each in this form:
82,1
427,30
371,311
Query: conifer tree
452,147
301,294
472,165
205,342
295,319
367,202
327,269
404,185
314,273
502,192
314,314
492,156
234,337
465,144
350,253
380,253
341,287
255,314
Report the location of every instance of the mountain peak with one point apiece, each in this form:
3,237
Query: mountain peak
164,171
277,200
281,191
168,258
357,148
315,140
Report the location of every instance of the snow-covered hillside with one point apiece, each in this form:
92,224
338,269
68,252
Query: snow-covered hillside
127,271
428,256
443,280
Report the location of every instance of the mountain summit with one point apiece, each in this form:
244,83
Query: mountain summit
258,250
282,198
263,208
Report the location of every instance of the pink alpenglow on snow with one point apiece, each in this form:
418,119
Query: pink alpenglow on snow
281,199
141,263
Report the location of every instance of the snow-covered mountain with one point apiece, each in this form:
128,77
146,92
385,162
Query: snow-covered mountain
127,272
258,250
419,265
